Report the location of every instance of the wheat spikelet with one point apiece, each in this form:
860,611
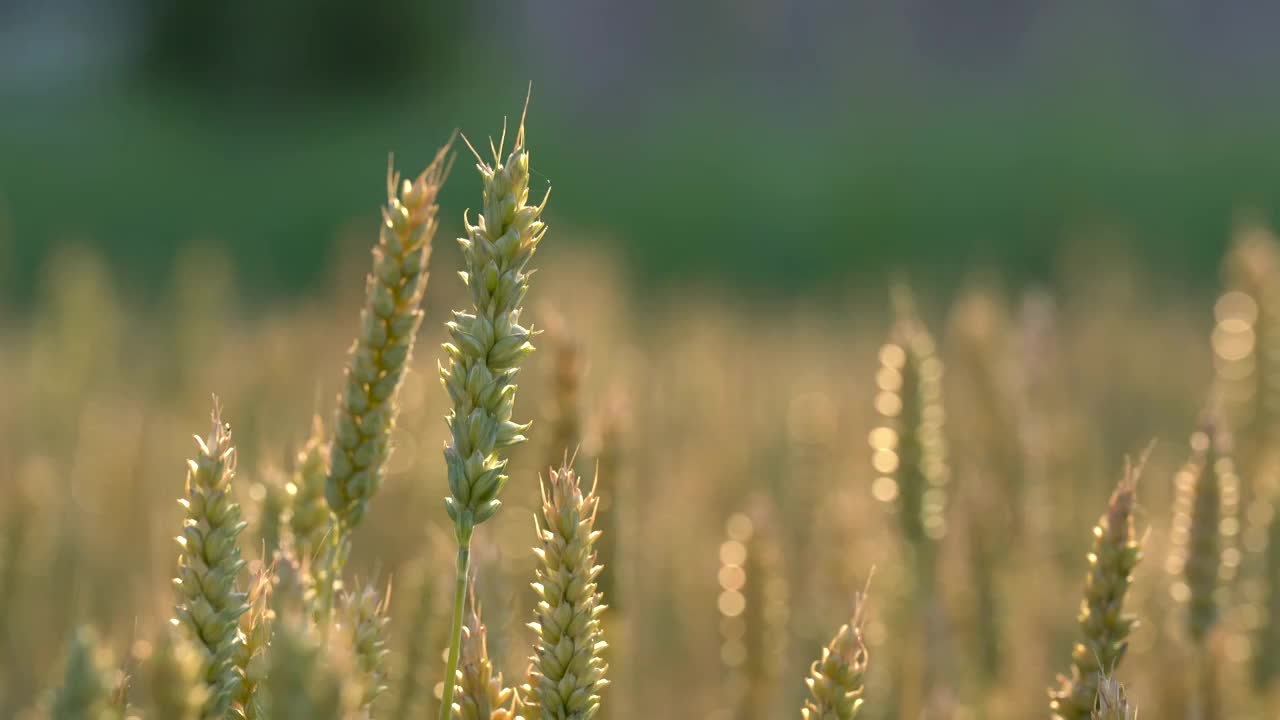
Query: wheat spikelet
835,681
176,678
366,618
567,672
209,565
91,685
481,694
1103,623
380,355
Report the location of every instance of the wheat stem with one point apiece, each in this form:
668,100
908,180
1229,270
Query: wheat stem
462,568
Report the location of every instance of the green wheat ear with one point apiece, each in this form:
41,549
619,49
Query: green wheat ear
209,565
388,327
91,685
176,678
567,673
1103,623
481,694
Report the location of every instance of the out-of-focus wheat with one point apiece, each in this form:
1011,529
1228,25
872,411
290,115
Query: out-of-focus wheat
481,694
91,684
210,602
366,620
835,681
1112,702
176,678
1103,623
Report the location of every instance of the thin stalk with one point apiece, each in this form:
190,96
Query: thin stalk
455,635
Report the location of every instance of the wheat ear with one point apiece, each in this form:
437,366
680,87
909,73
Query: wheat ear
366,618
1103,623
251,660
176,678
486,348
568,671
209,565
835,681
91,685
481,694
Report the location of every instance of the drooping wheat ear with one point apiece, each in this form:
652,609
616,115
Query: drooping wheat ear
209,565
1204,529
486,349
308,509
910,448
1112,702
835,681
568,670
366,620
481,694
564,414
251,660
1103,623
176,678
754,611
91,684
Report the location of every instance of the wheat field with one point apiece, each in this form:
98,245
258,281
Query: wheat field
893,502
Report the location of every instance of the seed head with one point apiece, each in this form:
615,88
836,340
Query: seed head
380,355
488,343
209,565
567,672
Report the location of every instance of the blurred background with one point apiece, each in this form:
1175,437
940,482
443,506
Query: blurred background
1078,194
912,134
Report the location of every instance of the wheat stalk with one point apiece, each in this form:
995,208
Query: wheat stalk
835,681
1103,623
567,672
209,565
486,348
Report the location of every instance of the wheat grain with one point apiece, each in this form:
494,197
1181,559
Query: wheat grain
568,671
209,565
1103,623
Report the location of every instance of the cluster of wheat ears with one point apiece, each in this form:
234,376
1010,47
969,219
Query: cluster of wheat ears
297,637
